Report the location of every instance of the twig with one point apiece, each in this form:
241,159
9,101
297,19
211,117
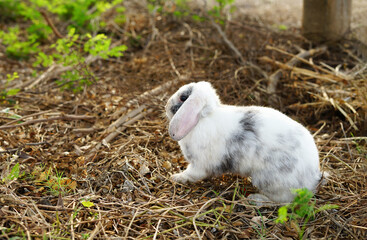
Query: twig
20,147
52,71
95,231
85,130
72,224
227,42
311,52
46,75
345,135
62,117
50,23
156,230
155,31
131,223
170,58
198,212
296,59
189,45
342,226
298,70
117,131
28,116
123,119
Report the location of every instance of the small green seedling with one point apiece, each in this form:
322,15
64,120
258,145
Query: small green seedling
4,94
301,210
14,173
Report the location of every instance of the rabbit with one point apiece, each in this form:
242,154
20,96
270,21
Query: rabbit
278,153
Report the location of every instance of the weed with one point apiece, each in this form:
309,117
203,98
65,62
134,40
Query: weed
87,203
85,235
4,94
54,181
218,11
180,8
13,174
67,51
301,210
82,16
16,48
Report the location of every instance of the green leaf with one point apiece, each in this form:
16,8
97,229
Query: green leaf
13,92
87,204
327,207
14,173
282,27
282,215
10,77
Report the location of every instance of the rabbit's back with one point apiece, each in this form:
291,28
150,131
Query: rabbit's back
286,155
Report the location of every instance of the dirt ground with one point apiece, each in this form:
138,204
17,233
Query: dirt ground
97,164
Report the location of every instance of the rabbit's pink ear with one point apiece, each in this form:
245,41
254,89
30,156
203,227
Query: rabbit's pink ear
185,118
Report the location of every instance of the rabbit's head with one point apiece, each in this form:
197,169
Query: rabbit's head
188,105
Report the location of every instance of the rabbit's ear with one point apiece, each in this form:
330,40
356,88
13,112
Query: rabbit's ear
185,118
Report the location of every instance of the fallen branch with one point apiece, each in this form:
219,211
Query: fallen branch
55,70
50,24
85,130
28,116
296,59
298,70
62,117
302,55
124,118
118,130
12,150
227,42
52,71
96,230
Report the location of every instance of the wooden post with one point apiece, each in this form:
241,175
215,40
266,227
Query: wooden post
326,20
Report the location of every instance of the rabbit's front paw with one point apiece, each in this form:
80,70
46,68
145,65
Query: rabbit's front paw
181,177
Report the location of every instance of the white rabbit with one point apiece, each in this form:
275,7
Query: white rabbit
278,153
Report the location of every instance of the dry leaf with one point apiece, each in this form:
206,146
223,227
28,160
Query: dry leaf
167,165
60,201
144,169
246,233
258,221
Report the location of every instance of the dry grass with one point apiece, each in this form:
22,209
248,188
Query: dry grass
128,178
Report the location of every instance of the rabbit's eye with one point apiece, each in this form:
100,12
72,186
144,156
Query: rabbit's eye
185,95
183,98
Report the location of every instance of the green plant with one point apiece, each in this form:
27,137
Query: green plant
87,203
301,210
4,94
9,10
82,15
54,181
16,48
85,235
218,11
69,51
13,174
258,224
